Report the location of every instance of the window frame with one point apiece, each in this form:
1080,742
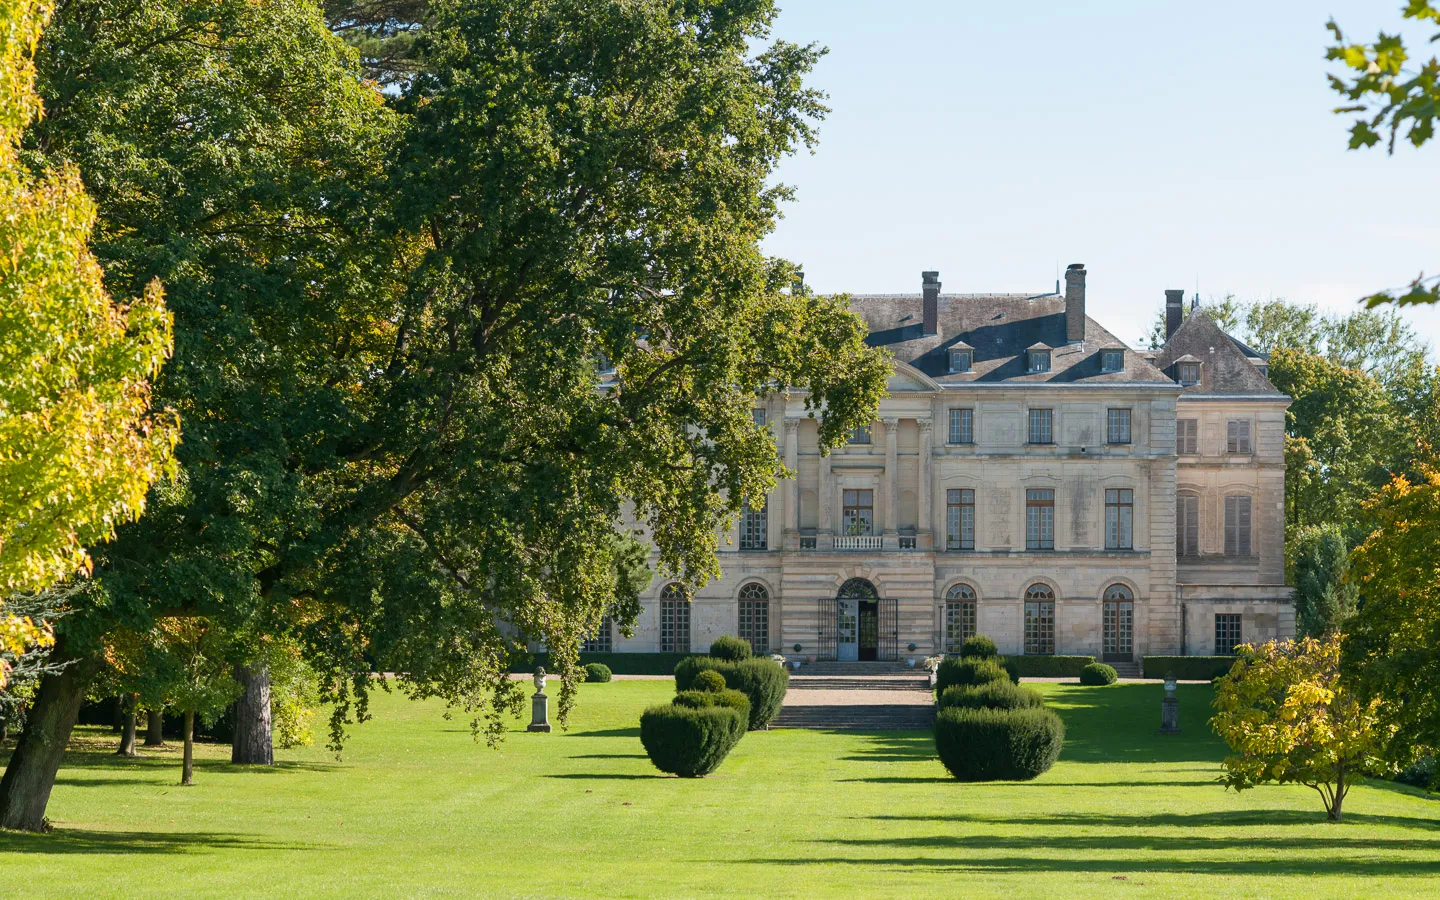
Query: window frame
1037,362
1187,533
957,505
961,607
603,640
1039,527
860,437
1120,533
1187,435
755,526
1239,526
1039,621
1107,355
1239,437
754,598
961,361
1113,419
674,619
846,506
1192,378
1229,629
961,431
1046,416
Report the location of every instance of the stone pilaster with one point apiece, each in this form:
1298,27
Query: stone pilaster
927,441
792,462
892,473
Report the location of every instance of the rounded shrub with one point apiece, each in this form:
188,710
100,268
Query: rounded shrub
597,672
980,646
764,681
1098,674
998,744
687,668
729,647
724,697
688,741
968,671
708,680
991,695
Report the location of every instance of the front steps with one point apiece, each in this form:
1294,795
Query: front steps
859,668
862,697
860,717
1128,669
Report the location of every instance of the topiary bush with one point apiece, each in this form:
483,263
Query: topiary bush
708,680
597,672
1097,674
731,648
722,697
968,671
979,646
998,744
688,741
764,681
687,668
1003,694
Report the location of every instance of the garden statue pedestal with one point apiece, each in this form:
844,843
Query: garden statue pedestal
1169,708
539,705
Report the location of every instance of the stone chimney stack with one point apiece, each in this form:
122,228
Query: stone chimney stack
930,288
1174,302
1075,303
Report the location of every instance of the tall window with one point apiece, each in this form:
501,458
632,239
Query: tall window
1040,422
961,360
601,641
1039,619
1119,519
753,524
959,616
1039,361
755,616
1237,436
960,519
1187,525
1117,426
1187,437
858,508
1040,519
1237,526
1227,633
860,435
962,426
1112,360
674,619
1189,373
759,416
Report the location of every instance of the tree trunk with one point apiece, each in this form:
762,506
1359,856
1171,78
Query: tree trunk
25,789
154,728
187,771
127,737
252,742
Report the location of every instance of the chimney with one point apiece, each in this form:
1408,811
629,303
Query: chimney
1075,303
1174,302
930,287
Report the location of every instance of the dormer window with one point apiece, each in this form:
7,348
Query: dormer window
962,359
1039,361
1189,373
1112,360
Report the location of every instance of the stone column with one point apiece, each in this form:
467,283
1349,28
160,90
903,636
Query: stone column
892,473
926,439
823,488
792,462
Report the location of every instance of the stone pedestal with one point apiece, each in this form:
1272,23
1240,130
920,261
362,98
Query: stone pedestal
539,712
1169,716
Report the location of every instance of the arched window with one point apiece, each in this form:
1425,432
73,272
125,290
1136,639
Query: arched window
1039,592
858,589
959,616
602,641
1118,619
1039,619
674,619
755,616
1118,592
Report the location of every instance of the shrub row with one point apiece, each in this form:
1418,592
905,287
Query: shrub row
1002,694
1187,668
618,663
690,741
998,744
966,671
1047,666
764,681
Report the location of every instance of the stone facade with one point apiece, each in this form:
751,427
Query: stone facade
1074,509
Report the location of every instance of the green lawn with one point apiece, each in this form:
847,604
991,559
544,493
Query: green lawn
417,809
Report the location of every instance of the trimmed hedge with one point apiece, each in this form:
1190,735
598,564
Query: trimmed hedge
979,645
597,672
619,663
690,742
998,744
967,671
708,680
1097,674
763,680
723,697
1046,666
1003,694
729,647
1187,668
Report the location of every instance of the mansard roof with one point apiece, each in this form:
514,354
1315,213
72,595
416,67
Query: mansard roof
1000,327
1227,368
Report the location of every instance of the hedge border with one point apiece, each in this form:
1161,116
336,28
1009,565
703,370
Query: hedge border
1037,666
619,663
1187,668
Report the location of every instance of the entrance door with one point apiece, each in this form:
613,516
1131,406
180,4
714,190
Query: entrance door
869,630
1119,635
847,646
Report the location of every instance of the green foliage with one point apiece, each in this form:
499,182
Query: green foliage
979,646
1423,773
688,668
723,697
618,663
1225,312
968,671
1187,668
687,741
1047,666
998,744
1320,562
730,648
764,681
708,680
597,673
294,698
1098,674
1004,694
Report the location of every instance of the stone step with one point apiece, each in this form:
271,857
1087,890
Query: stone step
856,718
858,668
859,683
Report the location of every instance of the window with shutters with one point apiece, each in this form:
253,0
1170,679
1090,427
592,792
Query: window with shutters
1237,526
1237,436
1189,373
962,426
674,619
602,641
753,527
1040,519
1187,525
1112,360
1039,620
959,616
960,519
1039,360
1041,421
1187,437
1117,426
755,617
1227,633
1119,519
961,360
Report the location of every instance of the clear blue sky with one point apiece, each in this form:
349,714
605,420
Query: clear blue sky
1161,144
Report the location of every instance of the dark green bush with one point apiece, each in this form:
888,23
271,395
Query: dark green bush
998,744
1097,674
687,668
1046,666
967,671
687,741
729,647
597,672
708,680
763,680
1421,773
620,663
1187,668
979,645
722,697
1003,694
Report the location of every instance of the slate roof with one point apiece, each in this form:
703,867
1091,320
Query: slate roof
1225,367
999,327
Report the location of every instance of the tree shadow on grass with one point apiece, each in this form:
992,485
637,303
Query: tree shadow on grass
608,756
604,776
607,732
66,840
1025,860
893,746
899,779
1245,818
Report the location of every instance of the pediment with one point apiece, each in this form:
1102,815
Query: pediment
906,377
